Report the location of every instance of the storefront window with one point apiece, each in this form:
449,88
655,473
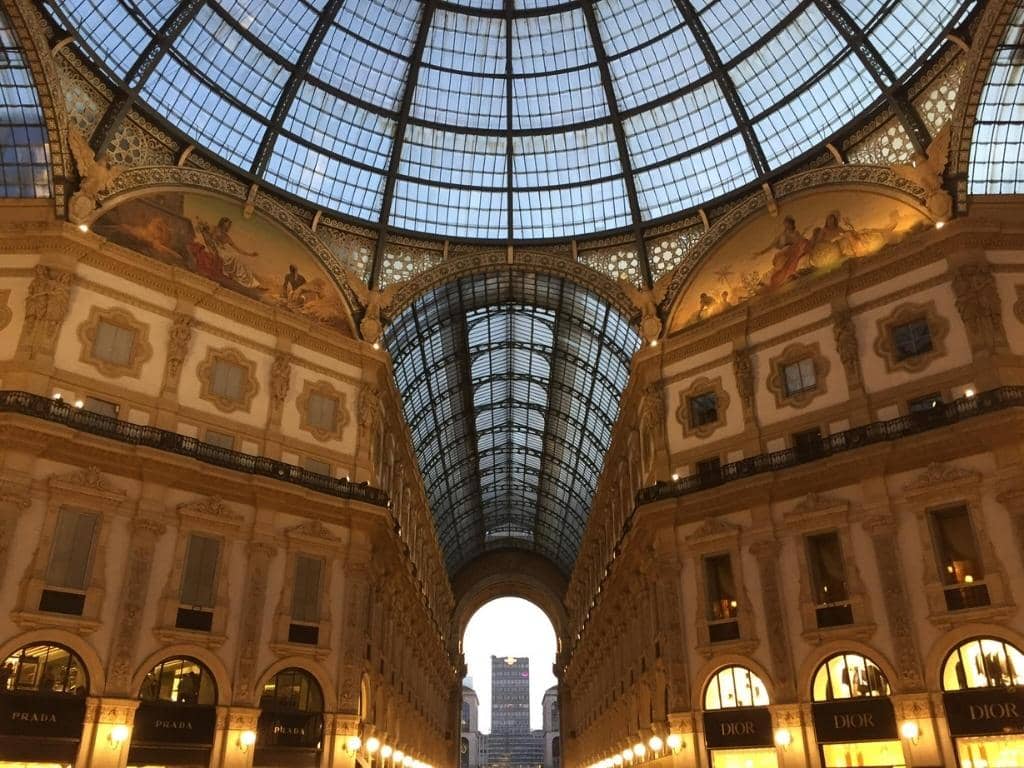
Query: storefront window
735,687
181,681
293,689
44,669
849,676
983,663
291,725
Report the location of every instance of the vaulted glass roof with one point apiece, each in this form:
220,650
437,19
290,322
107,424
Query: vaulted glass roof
511,384
508,119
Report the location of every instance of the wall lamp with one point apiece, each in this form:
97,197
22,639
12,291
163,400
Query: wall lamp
910,731
118,735
675,743
352,744
386,751
246,739
639,750
627,755
783,738
372,744
655,743
397,757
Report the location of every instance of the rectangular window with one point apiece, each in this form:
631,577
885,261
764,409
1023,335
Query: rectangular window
799,376
199,576
960,566
317,466
828,573
703,409
925,403
807,442
72,549
322,412
912,339
228,380
113,344
709,469
102,407
306,591
220,439
722,599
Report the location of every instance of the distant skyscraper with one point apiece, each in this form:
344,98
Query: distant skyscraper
510,695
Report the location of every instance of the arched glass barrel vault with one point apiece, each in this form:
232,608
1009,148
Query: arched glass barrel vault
501,119
511,384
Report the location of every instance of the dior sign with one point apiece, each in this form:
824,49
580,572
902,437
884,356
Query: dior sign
746,727
866,719
985,711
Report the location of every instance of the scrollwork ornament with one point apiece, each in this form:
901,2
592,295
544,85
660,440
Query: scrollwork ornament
977,301
179,340
845,333
46,306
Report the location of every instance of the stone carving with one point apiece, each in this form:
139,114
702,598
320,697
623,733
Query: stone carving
96,176
6,313
846,344
938,473
212,509
260,555
356,611
313,529
88,478
145,532
817,502
925,170
178,341
646,302
743,369
369,406
977,301
373,304
280,382
46,306
882,531
711,528
767,555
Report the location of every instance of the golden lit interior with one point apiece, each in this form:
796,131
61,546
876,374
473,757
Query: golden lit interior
991,751
762,757
869,754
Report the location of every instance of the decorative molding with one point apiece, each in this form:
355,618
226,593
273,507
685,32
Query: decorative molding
712,528
6,313
280,383
205,372
141,350
979,305
795,353
702,386
313,531
845,333
938,328
937,475
89,481
46,306
341,416
254,605
179,339
743,370
211,512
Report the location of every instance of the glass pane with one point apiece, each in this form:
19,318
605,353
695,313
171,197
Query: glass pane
292,689
50,669
182,681
72,549
735,687
957,553
828,577
722,597
198,580
983,663
849,676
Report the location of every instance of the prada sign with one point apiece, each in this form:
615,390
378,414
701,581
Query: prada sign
290,729
168,723
985,711
747,727
42,716
867,719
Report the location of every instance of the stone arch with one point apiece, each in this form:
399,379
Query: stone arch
312,667
510,573
73,642
211,661
947,641
713,666
811,664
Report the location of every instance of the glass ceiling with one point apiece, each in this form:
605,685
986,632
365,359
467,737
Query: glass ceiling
511,384
508,118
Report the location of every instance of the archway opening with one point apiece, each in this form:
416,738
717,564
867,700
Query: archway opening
510,713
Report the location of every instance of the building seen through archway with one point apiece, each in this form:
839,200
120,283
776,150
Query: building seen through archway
696,324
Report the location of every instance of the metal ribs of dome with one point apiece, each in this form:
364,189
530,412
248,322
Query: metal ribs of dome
484,119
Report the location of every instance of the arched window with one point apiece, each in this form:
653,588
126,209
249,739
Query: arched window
849,676
292,689
983,662
181,681
734,687
46,669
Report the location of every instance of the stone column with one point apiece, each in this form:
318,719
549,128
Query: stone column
337,730
980,308
355,618
146,529
664,581
14,500
233,752
882,530
46,307
179,341
253,607
104,718
766,552
280,384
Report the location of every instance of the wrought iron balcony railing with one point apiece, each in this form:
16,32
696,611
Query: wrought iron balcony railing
60,412
941,415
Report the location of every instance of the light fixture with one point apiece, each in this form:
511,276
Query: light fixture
968,392
940,224
639,749
675,742
910,731
376,345
372,744
83,227
627,755
654,342
57,396
675,477
617,760
386,751
397,756
655,743
118,735
783,738
352,744
407,761
246,739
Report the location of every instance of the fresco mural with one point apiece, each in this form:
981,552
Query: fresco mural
810,236
210,236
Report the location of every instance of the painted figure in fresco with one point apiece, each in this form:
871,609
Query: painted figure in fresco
293,281
220,245
791,248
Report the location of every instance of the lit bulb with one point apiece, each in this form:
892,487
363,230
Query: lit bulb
675,742
675,477
398,755
968,579
627,755
407,761
247,738
353,743
372,744
83,227
910,730
617,760
783,738
655,743
654,342
118,734
940,224
386,751
639,749
968,392
79,404
57,396
376,345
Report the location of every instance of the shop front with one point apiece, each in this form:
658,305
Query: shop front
291,724
43,689
854,719
983,695
177,716
737,721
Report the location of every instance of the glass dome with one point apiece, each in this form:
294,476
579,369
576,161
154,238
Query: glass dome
501,119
